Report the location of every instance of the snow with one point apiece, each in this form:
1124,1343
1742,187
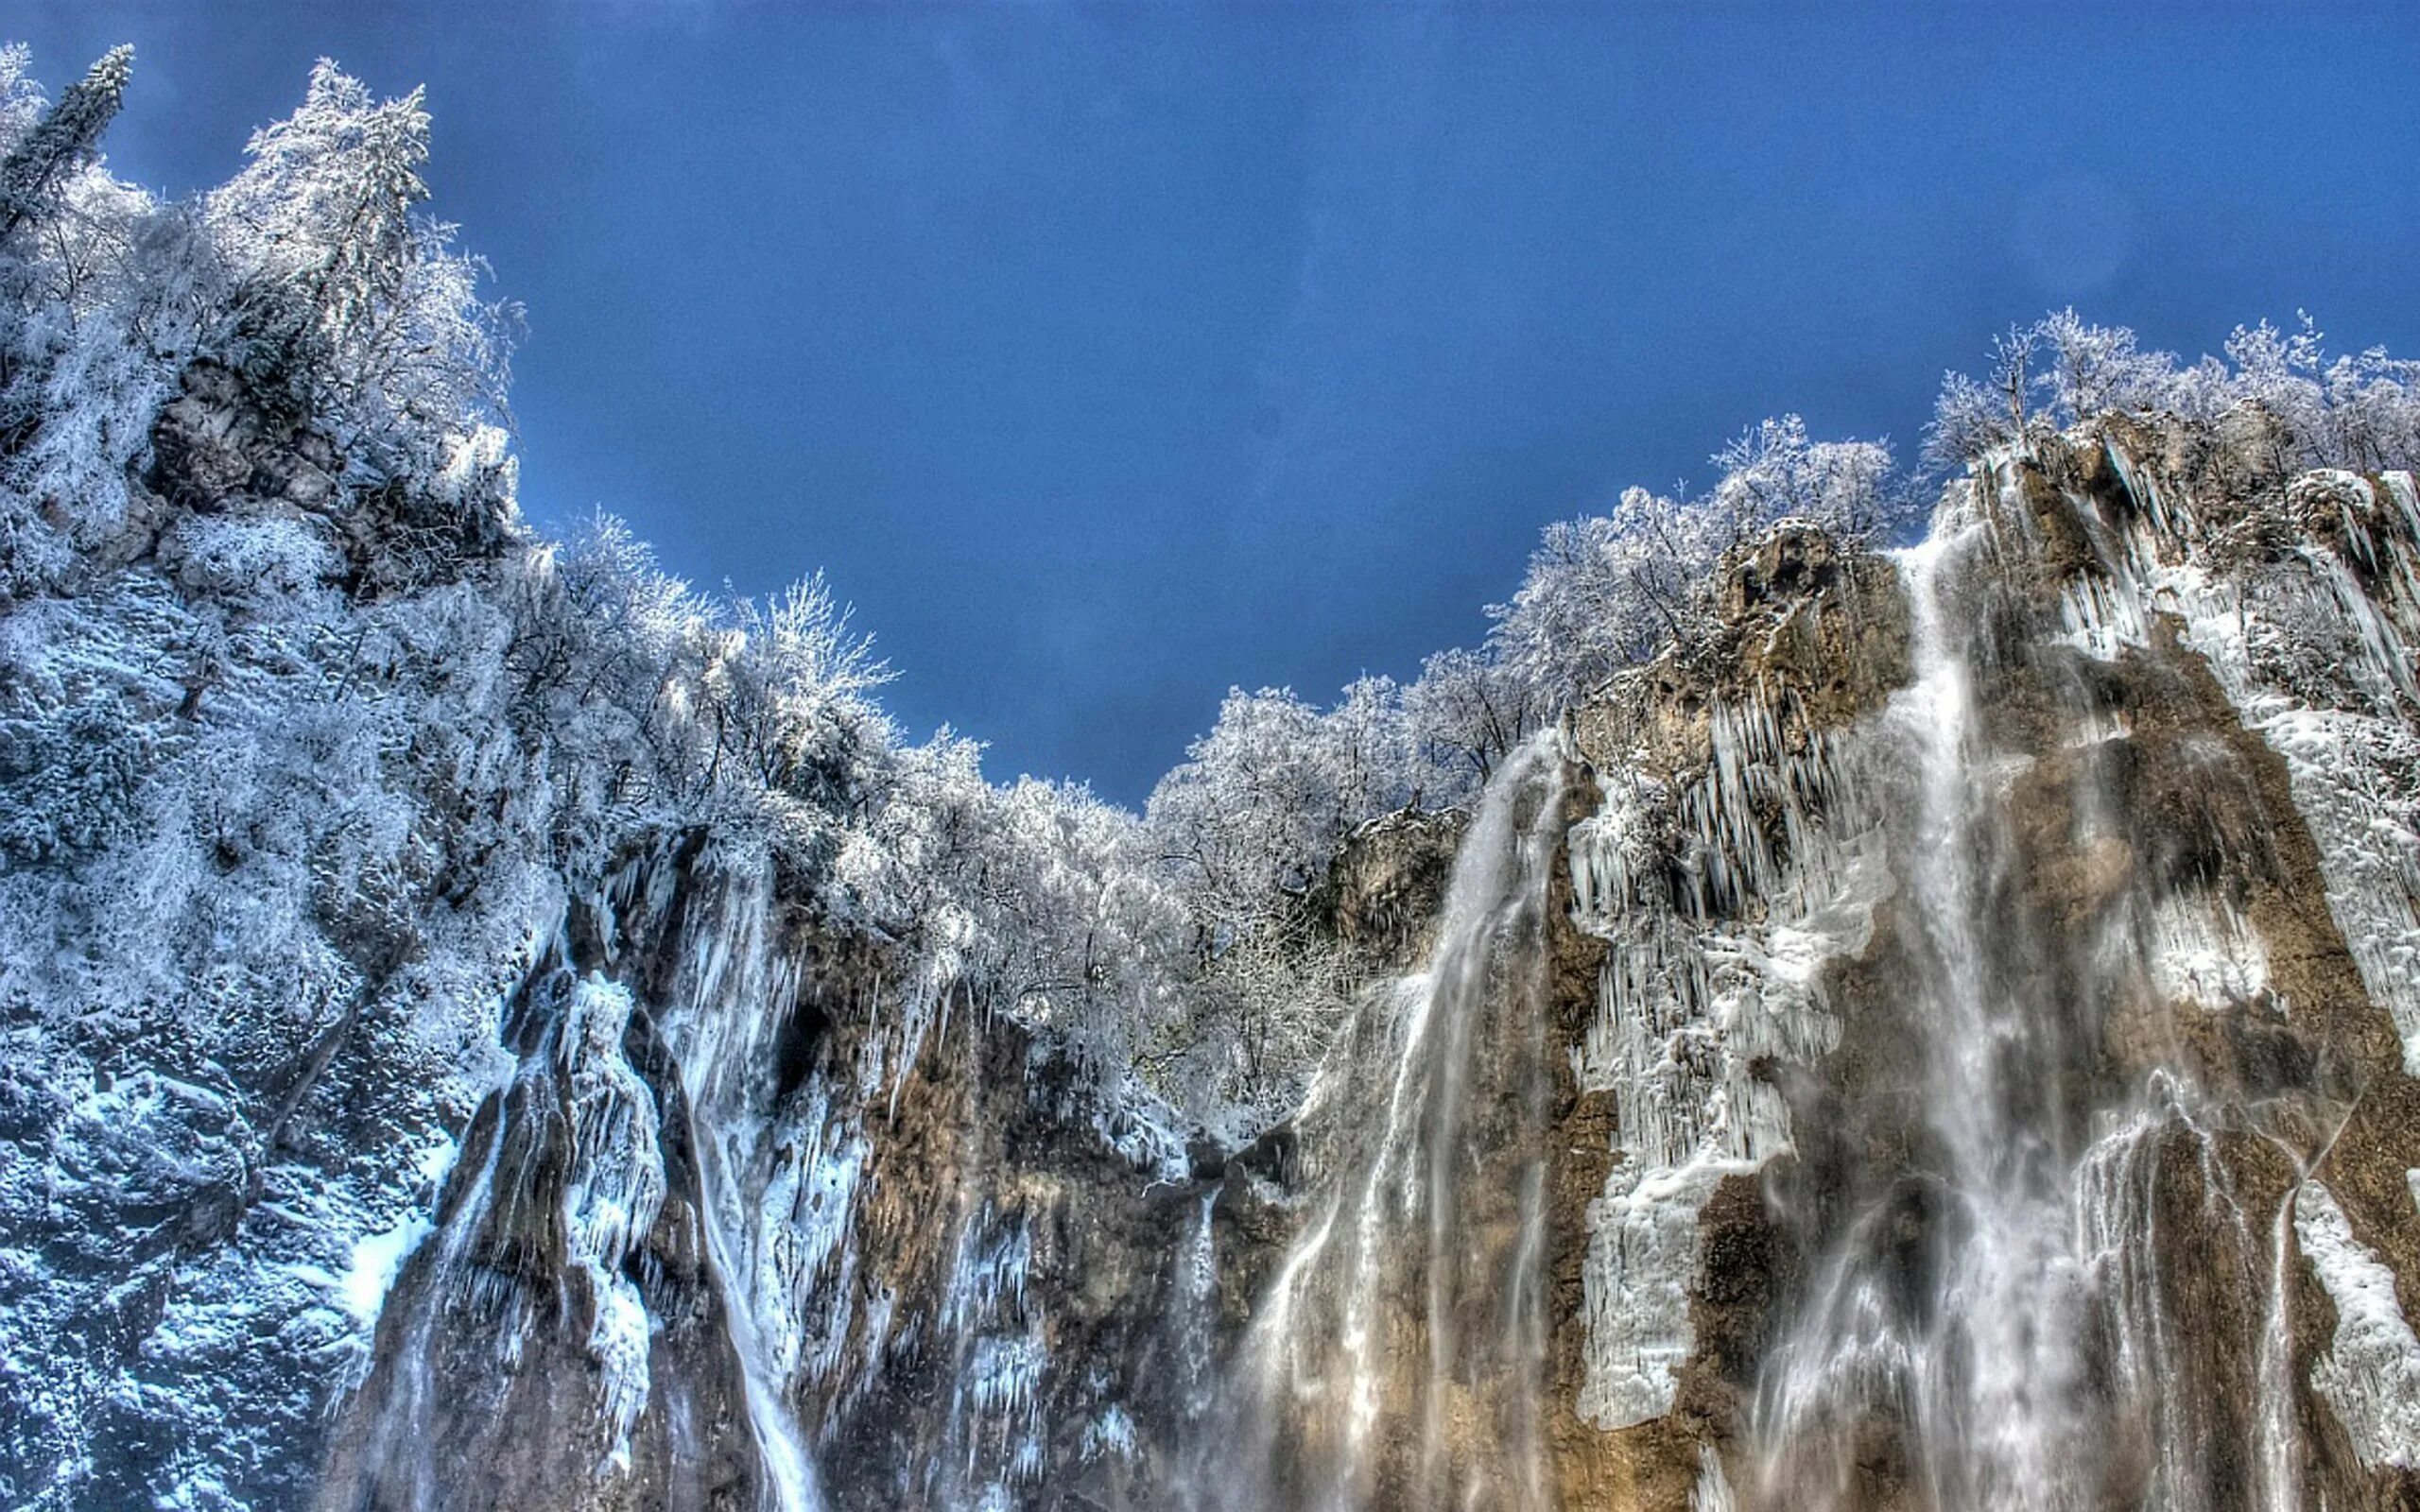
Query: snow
616,1182
376,1258
616,1185
2371,1373
807,1222
618,1341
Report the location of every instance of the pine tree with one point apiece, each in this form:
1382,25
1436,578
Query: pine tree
67,138
323,212
354,305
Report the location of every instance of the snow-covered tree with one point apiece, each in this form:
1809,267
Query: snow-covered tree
1774,471
21,95
784,690
1366,745
345,282
1607,591
2097,369
322,214
1970,418
1253,807
1603,593
35,173
2357,410
1469,710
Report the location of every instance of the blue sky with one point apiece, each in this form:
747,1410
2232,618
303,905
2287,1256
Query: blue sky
1108,355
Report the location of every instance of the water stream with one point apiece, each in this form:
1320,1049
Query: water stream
1995,1324
735,993
1396,1360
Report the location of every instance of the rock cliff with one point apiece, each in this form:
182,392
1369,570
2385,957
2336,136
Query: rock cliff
1789,1140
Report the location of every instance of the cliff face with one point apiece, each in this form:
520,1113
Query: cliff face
2011,1081
977,1285
1934,1041
691,1256
1943,1037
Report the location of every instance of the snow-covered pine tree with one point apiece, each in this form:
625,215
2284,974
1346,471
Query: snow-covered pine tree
67,137
320,217
342,279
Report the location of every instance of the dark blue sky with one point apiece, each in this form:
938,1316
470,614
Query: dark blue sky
1108,355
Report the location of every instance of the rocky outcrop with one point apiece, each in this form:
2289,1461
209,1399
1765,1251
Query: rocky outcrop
227,443
1380,898
2206,1066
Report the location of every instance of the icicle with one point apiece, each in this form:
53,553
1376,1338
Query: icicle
1690,1004
2371,1373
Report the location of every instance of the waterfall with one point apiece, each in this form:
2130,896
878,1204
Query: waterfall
1949,1141
1196,1308
402,1447
1396,1359
736,991
1994,1321
572,1122
1976,1352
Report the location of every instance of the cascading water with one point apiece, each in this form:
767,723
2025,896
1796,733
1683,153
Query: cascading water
1992,1324
1981,1359
1196,1311
2028,940
399,1448
1987,1319
1396,1360
1953,1133
736,991
566,1165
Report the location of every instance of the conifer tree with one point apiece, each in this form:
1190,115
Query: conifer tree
323,212
65,139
